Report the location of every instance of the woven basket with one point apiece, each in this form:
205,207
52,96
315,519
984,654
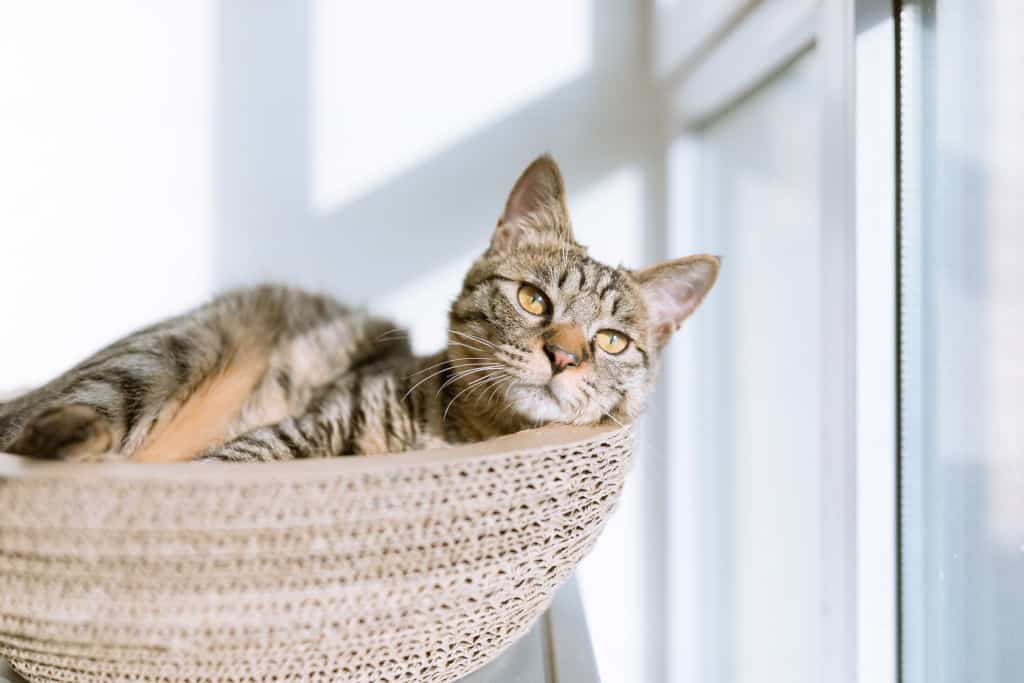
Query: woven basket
409,567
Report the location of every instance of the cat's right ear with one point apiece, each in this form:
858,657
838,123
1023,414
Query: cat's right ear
535,205
674,289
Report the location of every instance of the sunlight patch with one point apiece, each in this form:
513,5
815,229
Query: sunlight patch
376,111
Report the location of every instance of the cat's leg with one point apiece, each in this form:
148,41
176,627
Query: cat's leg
330,426
110,402
309,436
339,417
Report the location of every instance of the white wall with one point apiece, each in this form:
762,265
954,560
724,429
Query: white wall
106,184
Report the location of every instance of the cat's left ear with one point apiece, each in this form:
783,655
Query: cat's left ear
674,289
535,206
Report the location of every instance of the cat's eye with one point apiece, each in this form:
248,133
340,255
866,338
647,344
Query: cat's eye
611,341
533,300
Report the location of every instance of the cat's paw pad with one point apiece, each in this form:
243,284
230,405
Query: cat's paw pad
74,432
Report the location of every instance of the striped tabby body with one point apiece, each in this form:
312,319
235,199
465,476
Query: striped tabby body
540,333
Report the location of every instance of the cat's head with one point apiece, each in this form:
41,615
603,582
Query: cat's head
543,333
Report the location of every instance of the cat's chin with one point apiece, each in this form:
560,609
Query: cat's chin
539,403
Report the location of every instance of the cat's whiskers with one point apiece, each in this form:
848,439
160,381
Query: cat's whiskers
466,373
423,380
393,334
475,349
476,383
482,385
441,371
491,395
508,405
586,395
454,369
473,337
614,419
451,363
576,408
492,391
505,406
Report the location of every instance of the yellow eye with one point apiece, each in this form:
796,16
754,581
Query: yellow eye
533,300
611,341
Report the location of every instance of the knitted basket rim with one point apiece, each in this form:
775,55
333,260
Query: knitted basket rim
531,440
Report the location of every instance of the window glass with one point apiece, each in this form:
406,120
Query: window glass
962,459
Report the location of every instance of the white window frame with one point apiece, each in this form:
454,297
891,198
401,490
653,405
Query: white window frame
856,43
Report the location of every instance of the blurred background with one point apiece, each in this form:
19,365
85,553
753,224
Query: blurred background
832,480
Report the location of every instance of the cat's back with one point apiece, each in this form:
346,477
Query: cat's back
275,311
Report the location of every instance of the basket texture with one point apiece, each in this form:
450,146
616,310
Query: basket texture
409,567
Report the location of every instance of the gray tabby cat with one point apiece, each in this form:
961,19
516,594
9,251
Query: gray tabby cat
540,333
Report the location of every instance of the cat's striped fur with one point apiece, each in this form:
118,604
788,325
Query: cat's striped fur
276,373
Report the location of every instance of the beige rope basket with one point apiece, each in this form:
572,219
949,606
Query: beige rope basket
408,567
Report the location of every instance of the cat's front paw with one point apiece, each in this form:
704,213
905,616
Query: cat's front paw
70,432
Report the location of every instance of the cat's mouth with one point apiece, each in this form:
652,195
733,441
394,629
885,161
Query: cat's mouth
546,401
560,390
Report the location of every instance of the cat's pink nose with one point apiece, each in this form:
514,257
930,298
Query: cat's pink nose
560,358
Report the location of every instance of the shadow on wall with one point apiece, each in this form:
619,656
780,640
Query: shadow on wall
445,205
